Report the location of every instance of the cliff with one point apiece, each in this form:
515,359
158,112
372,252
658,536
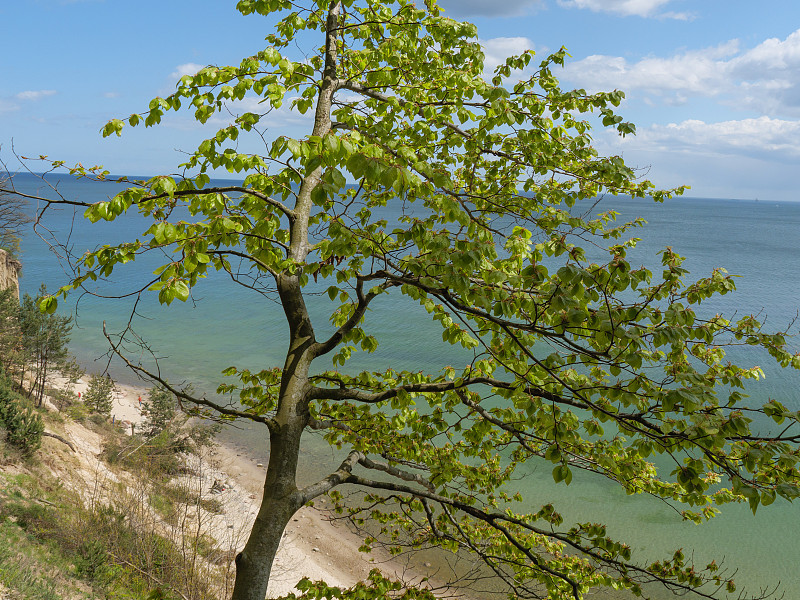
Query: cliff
9,272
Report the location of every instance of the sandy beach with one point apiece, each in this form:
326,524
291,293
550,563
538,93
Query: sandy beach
312,545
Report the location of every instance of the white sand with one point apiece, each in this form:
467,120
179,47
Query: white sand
311,546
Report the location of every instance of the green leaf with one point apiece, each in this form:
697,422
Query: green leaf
562,473
181,291
48,304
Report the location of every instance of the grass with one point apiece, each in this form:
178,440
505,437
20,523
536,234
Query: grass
33,570
53,545
52,548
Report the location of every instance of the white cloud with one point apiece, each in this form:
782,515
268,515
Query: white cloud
34,94
769,75
496,50
185,69
699,72
639,8
764,137
678,16
747,158
765,78
110,94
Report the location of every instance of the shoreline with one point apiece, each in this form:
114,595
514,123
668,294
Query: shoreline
312,545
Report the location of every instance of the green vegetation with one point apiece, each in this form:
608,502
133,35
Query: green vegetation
32,343
33,570
578,360
56,544
160,409
22,423
99,396
44,342
98,550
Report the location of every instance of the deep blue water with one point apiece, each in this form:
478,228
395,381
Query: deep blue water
227,325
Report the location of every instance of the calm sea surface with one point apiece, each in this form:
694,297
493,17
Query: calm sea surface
229,325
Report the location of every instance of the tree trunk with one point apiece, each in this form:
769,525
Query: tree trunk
42,379
281,496
281,501
60,439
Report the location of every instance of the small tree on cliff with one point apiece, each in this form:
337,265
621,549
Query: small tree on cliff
579,364
160,409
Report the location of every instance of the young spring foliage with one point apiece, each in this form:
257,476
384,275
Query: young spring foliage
579,363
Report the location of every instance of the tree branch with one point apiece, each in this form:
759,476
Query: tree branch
315,490
60,439
181,394
399,473
322,348
496,520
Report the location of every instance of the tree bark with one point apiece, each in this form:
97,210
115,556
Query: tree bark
281,500
281,497
60,439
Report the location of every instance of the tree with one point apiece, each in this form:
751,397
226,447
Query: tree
10,334
24,426
12,214
44,342
580,361
160,408
99,396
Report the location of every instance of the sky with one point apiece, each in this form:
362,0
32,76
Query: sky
712,85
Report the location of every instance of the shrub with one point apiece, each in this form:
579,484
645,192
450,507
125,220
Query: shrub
23,424
77,412
90,558
25,427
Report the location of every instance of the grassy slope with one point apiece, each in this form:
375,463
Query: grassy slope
53,546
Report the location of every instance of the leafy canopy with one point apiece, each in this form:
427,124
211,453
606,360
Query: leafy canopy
472,197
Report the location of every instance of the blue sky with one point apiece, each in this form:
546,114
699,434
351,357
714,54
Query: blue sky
713,86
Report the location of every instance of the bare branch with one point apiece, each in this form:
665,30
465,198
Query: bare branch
180,394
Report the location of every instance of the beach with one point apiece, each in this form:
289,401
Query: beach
312,546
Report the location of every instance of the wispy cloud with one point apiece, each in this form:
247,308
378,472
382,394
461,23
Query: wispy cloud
764,79
6,106
34,94
626,8
777,139
742,158
482,8
110,94
185,69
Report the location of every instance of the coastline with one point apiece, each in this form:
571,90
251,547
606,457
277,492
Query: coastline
312,546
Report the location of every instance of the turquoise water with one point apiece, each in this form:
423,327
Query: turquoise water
226,325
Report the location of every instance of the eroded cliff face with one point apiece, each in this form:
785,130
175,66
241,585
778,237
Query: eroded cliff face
9,272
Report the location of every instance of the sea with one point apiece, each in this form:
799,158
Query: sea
224,324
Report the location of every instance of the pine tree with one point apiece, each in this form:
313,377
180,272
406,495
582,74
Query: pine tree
44,342
99,396
23,425
160,410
